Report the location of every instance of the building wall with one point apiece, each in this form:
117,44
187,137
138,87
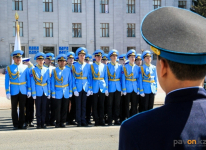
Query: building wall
62,18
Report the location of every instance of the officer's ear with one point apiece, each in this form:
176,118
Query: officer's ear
162,67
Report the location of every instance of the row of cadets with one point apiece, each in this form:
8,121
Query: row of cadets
17,76
81,85
122,61
149,82
88,57
71,113
30,101
131,83
100,87
50,118
40,85
114,86
61,88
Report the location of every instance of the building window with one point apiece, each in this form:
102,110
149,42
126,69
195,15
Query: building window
105,49
128,48
22,48
48,29
76,30
20,28
48,5
17,5
104,30
154,56
156,4
76,6
182,4
130,30
104,6
130,6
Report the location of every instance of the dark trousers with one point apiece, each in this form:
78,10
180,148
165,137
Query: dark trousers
81,107
122,108
48,111
139,103
133,98
89,107
52,107
98,106
71,115
147,102
61,108
41,109
15,99
29,110
114,98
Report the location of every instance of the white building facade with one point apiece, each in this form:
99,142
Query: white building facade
60,26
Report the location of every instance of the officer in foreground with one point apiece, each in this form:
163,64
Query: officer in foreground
180,45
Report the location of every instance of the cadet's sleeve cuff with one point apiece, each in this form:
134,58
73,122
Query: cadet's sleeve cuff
53,93
90,87
49,91
124,89
33,93
7,91
74,89
141,91
29,89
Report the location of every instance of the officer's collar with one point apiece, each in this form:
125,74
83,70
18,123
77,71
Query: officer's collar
31,65
113,63
131,64
80,62
61,68
188,94
46,65
69,65
16,64
97,63
39,67
147,65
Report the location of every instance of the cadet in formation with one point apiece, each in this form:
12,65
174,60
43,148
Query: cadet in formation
17,86
40,85
61,89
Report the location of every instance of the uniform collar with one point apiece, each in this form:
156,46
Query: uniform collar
46,65
97,63
61,68
39,67
147,65
16,64
80,63
188,94
69,65
131,64
31,65
113,63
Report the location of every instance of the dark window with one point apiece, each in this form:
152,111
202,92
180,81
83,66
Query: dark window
130,30
104,6
182,4
105,49
76,30
20,28
48,5
48,29
17,5
128,48
130,6
104,30
156,4
76,6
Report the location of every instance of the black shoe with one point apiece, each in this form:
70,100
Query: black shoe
89,122
31,124
117,122
56,126
15,128
84,124
68,123
43,126
48,124
52,124
23,127
72,123
62,125
110,123
38,127
78,125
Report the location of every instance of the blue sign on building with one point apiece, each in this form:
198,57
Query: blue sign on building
63,49
33,49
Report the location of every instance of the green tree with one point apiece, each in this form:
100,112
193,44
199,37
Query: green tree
199,6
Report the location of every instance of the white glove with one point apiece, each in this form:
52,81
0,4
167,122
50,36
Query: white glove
34,97
88,92
70,95
76,93
142,95
91,92
8,96
137,93
106,93
28,94
121,93
124,93
53,97
48,96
